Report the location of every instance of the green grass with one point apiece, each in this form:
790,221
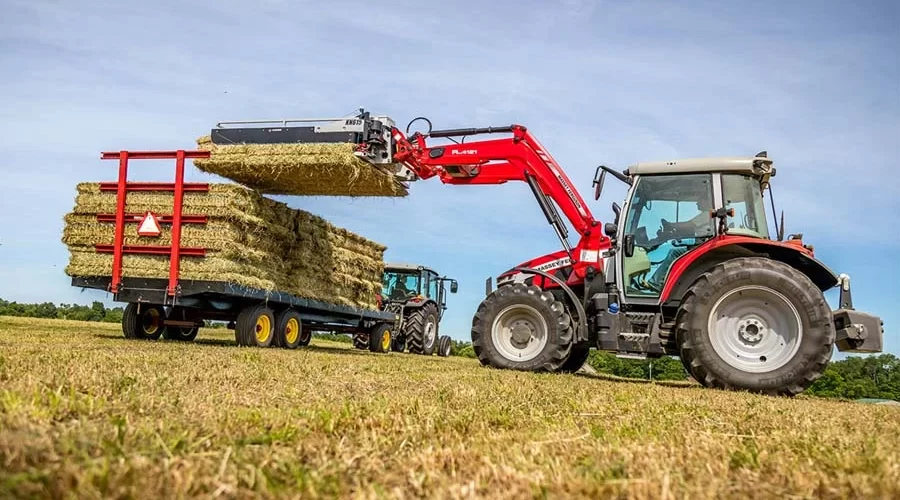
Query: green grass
85,413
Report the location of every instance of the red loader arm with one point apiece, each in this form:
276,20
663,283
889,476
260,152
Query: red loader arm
518,158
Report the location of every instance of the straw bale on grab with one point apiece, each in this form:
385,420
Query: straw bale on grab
298,169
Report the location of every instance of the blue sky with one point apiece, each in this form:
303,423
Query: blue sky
816,84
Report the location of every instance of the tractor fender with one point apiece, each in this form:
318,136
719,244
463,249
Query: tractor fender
693,264
581,332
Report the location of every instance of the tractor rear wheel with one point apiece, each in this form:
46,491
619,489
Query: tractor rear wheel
420,329
577,357
521,327
755,324
143,321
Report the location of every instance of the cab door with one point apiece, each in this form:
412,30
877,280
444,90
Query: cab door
666,216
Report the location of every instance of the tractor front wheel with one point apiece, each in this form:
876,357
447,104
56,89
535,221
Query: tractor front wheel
521,327
755,324
577,357
444,346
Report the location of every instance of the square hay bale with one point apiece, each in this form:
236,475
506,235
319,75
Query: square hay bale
298,169
250,240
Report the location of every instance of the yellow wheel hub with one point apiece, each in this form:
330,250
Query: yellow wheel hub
151,321
292,331
263,328
386,339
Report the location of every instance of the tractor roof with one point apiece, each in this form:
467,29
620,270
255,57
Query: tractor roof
405,266
759,165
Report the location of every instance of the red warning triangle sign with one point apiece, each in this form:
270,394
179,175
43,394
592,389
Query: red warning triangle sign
149,226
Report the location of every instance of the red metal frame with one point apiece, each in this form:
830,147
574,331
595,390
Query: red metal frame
122,187
498,161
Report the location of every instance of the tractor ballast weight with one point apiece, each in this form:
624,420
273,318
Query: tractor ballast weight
744,309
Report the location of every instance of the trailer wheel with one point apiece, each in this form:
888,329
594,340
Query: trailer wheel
521,327
755,324
289,330
361,340
420,329
380,338
179,333
577,358
444,345
255,327
143,321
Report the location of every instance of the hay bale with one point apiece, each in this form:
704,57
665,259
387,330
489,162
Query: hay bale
250,240
298,169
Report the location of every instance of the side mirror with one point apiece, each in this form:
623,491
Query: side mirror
599,179
616,210
453,286
629,245
610,229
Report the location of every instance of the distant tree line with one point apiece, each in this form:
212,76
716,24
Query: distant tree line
95,312
852,378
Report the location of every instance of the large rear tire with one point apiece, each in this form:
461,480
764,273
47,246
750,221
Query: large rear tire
520,327
420,330
757,325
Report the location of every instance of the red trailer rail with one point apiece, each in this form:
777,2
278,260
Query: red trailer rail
176,218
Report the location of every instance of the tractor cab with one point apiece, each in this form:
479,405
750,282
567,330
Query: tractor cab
676,206
412,284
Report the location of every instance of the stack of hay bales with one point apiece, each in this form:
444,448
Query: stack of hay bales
316,169
250,240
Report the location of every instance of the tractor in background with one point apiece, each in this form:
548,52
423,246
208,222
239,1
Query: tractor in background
418,295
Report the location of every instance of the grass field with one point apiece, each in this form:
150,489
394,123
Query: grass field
85,413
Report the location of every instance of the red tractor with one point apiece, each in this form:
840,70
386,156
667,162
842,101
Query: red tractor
688,267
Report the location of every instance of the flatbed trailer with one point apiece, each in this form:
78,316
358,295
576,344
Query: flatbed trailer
176,308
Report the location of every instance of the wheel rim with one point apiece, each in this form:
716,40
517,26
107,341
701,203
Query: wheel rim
429,333
292,331
263,329
150,321
386,340
519,333
755,329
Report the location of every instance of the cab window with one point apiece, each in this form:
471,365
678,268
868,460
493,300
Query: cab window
743,193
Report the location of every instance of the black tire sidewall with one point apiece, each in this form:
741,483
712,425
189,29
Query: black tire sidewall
815,316
559,332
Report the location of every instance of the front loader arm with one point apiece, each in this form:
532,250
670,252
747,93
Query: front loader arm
518,158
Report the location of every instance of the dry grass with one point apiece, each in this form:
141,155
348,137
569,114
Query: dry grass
251,240
88,414
298,169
